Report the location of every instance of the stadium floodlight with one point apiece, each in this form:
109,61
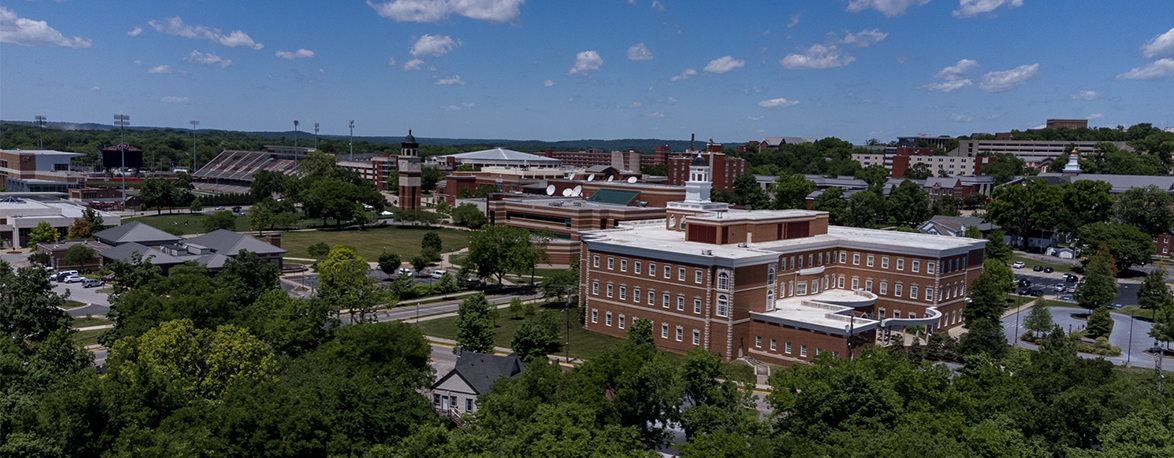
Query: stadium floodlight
41,123
122,121
295,133
194,124
315,136
352,139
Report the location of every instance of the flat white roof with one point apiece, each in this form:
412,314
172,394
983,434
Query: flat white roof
821,312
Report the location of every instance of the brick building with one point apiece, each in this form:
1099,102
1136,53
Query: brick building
779,286
725,169
623,160
38,171
408,164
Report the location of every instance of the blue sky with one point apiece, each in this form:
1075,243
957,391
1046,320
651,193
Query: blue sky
561,70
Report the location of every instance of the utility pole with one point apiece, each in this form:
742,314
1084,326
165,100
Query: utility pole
194,124
352,142
1158,356
315,136
295,133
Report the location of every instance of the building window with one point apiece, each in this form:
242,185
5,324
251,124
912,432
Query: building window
611,263
722,305
855,259
803,351
855,283
774,345
929,294
880,315
609,290
664,302
668,272
697,276
636,268
790,288
787,348
623,293
897,290
652,269
636,295
595,287
723,281
840,282
622,321
696,337
607,318
697,305
884,262
792,263
809,261
680,303
869,262
680,274
594,315
929,267
900,263
913,291
664,330
896,314
884,287
916,267
623,265
843,259
912,316
770,299
770,275
651,297
469,405
595,261
802,289
757,341
814,286
868,285
680,333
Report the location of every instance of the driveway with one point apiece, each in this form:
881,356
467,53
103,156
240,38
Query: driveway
1132,348
98,303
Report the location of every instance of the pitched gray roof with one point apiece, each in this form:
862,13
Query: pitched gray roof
229,243
125,252
480,370
135,232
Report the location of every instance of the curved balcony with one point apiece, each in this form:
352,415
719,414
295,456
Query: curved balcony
830,311
932,318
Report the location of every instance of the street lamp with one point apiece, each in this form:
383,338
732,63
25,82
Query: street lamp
122,121
295,133
567,345
194,124
1157,350
1129,350
41,122
352,143
315,136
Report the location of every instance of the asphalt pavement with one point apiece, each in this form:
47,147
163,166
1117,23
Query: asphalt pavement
1131,335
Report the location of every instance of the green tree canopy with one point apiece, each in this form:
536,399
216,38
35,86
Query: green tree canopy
909,204
474,325
1024,209
1149,209
918,171
750,193
1100,283
1126,244
497,250
1153,293
1084,202
344,283
791,190
42,233
79,255
222,219
29,309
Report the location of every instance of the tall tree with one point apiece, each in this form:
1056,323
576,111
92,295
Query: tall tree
1100,283
1149,209
1024,209
1005,168
1082,203
918,171
42,233
996,248
1128,245
866,209
909,204
248,276
29,309
1154,293
832,200
1039,321
345,284
791,190
389,263
432,240
79,255
497,250
474,325
561,284
750,193
536,337
874,175
222,219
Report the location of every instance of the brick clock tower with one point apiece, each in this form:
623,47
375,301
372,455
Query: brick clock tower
408,163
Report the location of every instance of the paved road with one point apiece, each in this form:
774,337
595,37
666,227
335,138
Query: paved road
99,302
1133,350
1126,295
409,312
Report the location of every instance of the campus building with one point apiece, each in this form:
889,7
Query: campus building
409,174
38,171
778,286
21,212
725,169
621,160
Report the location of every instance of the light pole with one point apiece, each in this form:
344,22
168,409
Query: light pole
295,133
352,142
41,123
1129,350
315,136
1158,364
194,124
567,345
122,121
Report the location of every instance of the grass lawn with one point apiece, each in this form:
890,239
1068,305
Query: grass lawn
584,344
1032,263
370,243
82,322
186,223
1137,312
72,304
84,338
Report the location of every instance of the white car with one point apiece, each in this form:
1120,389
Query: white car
437,273
74,279
1018,265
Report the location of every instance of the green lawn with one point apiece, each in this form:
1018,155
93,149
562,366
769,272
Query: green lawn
584,344
82,322
72,304
186,223
84,338
370,243
1032,263
1138,312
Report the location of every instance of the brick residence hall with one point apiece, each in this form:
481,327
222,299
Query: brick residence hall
780,286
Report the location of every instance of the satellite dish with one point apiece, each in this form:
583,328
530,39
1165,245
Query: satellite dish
550,190
631,179
567,192
591,177
578,190
611,177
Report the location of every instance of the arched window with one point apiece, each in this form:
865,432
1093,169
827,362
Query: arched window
770,299
723,280
672,222
770,275
683,222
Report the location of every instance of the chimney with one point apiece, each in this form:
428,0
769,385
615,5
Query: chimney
273,239
692,142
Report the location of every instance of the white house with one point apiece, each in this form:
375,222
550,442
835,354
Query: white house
475,372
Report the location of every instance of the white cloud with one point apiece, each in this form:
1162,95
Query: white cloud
1161,68
391,62
1007,79
889,8
586,62
1159,46
1086,95
452,108
639,52
864,38
1095,116
207,59
174,100
635,105
136,32
817,57
175,26
160,69
972,8
672,100
961,118
138,62
96,88
454,80
435,45
685,74
548,83
435,10
778,103
723,64
321,70
754,118
794,20
658,6
414,64
957,70
656,114
27,32
949,85
299,54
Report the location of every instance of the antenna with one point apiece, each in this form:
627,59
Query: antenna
577,191
567,192
611,177
631,179
591,177
550,190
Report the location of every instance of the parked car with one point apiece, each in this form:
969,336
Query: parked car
236,209
1070,278
49,268
74,279
437,273
1118,306
92,282
1038,268
1059,288
1018,265
1048,270
404,271
1024,283
61,276
218,208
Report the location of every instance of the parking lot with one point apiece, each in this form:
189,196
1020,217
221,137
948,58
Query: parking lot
1126,295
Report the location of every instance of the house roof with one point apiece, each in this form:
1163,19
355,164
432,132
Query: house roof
955,225
135,232
1120,183
480,370
125,252
229,243
614,196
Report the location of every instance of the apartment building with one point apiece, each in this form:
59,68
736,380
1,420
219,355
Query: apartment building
38,171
